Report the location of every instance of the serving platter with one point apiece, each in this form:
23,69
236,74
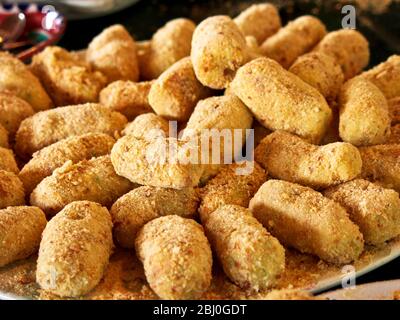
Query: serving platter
124,278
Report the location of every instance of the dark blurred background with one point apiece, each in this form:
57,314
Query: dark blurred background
378,20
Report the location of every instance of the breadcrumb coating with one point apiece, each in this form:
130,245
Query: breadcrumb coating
168,45
67,79
260,21
394,110
374,209
249,255
3,137
113,52
364,114
381,165
295,39
147,125
129,98
93,180
20,232
48,127
288,157
17,79
176,257
7,161
176,92
74,149
282,101
75,249
149,162
11,190
386,76
218,50
320,71
134,209
350,49
229,186
12,111
307,221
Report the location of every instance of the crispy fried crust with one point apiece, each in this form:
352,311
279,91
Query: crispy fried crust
394,110
381,165
113,52
288,157
295,39
20,232
12,111
168,45
147,125
282,101
17,79
232,185
350,49
3,137
74,149
364,115
218,50
67,79
75,249
386,76
92,180
176,257
374,209
134,209
7,161
11,190
259,20
48,127
394,135
175,93
304,219
320,71
150,162
129,98
249,255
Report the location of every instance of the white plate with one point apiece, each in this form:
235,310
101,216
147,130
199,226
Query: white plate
383,290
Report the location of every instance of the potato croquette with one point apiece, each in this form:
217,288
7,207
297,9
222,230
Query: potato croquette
219,114
48,127
176,257
253,49
75,249
364,114
320,71
12,111
394,110
282,101
386,76
113,52
92,180
218,50
67,79
11,190
74,149
20,232
7,160
307,221
175,93
147,125
381,164
374,209
350,49
259,20
129,98
161,162
295,39
288,157
3,137
168,45
134,209
17,79
232,185
249,255
260,132
394,135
